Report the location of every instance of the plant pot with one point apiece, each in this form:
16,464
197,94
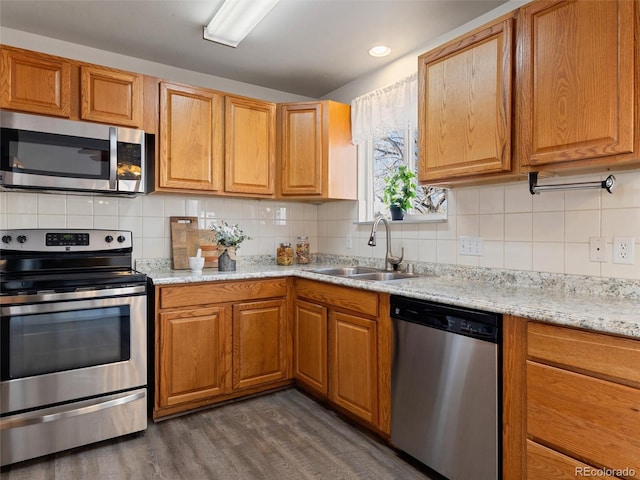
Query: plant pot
225,263
396,212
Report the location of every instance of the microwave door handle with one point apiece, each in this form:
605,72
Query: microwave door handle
113,157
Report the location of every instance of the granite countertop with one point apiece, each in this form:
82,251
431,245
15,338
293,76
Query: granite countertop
617,314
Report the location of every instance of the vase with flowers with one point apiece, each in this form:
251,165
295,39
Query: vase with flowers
229,238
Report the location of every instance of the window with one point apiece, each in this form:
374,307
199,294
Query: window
384,128
389,151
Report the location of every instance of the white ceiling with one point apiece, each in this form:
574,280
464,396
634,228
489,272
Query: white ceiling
306,47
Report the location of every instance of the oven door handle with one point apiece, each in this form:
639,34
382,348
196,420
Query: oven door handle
60,413
19,300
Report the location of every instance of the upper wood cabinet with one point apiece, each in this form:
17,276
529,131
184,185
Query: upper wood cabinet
45,84
191,140
250,146
110,96
315,154
464,106
35,82
577,80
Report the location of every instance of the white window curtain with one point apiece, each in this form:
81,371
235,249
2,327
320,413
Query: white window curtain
391,107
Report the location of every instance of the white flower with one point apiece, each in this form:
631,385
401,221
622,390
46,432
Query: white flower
228,235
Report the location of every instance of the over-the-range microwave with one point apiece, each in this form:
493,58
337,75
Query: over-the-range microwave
52,154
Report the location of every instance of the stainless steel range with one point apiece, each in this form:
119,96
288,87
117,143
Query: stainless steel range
73,340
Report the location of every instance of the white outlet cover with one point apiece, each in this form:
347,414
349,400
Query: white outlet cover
624,250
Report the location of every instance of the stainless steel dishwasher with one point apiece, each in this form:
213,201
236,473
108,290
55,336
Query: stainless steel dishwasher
445,393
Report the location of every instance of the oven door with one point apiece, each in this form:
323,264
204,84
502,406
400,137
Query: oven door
61,347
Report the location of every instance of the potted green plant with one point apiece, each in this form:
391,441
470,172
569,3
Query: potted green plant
399,191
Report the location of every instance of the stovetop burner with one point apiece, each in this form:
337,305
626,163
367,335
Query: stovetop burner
65,260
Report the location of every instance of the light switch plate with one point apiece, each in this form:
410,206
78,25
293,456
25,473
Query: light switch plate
470,246
598,249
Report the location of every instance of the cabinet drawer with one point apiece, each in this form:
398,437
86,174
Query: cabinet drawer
604,356
339,297
221,292
546,464
590,419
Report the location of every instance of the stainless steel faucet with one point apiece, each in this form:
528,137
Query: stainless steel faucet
390,261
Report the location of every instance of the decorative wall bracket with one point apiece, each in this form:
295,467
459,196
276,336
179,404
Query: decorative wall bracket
608,184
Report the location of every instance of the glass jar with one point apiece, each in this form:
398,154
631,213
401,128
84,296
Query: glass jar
285,254
302,250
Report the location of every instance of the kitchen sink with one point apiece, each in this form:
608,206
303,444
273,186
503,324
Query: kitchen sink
382,276
345,271
364,273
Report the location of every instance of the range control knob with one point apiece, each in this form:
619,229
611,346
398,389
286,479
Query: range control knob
108,239
121,238
21,238
6,239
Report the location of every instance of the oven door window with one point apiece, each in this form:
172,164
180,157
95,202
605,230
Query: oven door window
55,155
60,341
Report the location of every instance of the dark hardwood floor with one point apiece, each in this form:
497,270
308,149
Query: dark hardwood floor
284,435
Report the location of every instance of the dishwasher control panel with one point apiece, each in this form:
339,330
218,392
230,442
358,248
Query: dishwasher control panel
460,320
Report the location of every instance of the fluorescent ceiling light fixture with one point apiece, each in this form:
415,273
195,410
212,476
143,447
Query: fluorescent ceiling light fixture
379,51
235,19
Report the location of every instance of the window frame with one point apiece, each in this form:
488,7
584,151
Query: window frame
366,195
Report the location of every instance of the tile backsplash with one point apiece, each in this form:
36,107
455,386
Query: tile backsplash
549,232
543,233
267,222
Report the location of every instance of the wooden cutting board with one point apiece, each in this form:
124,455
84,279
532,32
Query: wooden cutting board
205,240
180,247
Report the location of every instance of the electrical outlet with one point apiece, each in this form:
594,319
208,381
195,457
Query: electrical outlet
348,242
470,246
623,250
598,249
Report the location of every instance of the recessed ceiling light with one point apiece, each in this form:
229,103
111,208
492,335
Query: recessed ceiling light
379,51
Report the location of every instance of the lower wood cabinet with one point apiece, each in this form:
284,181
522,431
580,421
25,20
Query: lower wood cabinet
353,364
571,404
220,340
310,363
259,343
194,355
342,349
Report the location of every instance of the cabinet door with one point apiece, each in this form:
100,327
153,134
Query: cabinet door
546,464
465,90
259,343
576,83
585,417
110,96
190,138
310,345
353,372
35,82
193,359
250,146
301,149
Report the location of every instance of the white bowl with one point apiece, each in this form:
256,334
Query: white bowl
196,264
